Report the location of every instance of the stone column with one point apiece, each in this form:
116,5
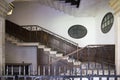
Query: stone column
117,56
2,47
4,7
115,5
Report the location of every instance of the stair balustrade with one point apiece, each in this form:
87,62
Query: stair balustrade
34,33
42,36
96,60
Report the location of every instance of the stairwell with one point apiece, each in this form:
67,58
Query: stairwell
31,36
61,51
70,7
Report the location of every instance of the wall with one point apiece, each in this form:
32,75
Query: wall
18,54
35,14
101,38
49,18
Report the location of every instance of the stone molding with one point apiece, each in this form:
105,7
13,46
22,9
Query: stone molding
4,8
115,4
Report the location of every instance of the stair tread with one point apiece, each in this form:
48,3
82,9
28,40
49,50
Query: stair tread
53,52
41,46
27,44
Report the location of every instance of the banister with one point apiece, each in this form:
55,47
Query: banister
69,54
38,28
80,49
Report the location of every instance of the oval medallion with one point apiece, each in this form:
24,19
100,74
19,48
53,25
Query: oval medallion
77,31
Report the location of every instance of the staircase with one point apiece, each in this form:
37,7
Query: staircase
54,53
70,7
61,51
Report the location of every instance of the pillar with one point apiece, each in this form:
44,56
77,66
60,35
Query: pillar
115,5
4,7
117,56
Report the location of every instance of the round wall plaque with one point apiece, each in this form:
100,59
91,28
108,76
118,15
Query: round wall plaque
77,31
107,22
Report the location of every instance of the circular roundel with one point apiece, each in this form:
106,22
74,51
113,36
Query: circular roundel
107,22
77,31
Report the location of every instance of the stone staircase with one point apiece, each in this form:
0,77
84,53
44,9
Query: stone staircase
70,7
53,54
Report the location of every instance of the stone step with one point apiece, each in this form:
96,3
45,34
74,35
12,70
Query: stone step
71,60
9,39
14,42
47,49
27,44
59,55
53,52
41,46
66,58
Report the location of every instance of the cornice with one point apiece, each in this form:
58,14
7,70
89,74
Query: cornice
115,5
4,8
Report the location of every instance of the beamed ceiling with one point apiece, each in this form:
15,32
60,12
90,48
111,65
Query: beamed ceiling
84,7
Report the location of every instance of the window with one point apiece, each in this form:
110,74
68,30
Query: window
107,22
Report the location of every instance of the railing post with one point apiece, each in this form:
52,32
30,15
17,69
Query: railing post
12,70
32,70
54,70
24,71
7,71
29,70
59,70
19,70
39,70
49,70
44,70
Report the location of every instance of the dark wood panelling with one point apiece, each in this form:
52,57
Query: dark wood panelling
42,57
103,54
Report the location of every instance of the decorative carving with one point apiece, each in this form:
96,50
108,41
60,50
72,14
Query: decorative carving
4,8
115,4
77,31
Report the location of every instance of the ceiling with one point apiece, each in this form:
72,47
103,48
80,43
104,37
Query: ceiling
86,7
